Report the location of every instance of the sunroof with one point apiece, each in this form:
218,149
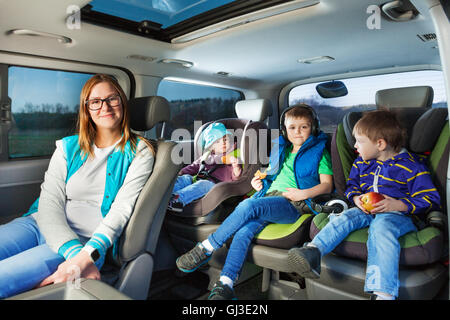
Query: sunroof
164,12
168,19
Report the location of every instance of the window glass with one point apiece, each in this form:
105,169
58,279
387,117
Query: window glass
192,102
164,12
361,94
44,107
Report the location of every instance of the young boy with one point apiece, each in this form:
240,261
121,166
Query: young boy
382,166
192,184
301,169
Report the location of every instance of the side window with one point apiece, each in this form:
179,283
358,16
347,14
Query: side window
44,107
192,102
361,94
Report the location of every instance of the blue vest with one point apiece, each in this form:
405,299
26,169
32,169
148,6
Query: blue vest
116,171
306,162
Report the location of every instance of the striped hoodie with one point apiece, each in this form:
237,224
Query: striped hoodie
404,177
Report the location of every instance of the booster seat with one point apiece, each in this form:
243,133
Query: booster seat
422,272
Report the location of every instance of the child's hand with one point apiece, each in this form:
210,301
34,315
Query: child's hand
233,161
389,204
358,203
257,183
295,194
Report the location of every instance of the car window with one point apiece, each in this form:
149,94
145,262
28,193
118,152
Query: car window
361,94
192,105
44,107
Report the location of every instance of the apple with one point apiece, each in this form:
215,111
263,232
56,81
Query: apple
369,199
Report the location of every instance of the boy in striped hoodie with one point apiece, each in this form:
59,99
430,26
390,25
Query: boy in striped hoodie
386,167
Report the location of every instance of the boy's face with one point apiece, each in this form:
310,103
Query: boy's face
221,145
367,149
298,130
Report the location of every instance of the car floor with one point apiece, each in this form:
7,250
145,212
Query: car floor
173,285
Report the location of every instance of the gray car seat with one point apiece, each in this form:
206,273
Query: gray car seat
131,271
422,272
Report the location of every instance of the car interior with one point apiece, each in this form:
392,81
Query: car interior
187,64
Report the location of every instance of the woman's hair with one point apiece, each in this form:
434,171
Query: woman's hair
86,127
382,124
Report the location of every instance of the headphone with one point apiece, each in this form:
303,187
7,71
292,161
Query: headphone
315,125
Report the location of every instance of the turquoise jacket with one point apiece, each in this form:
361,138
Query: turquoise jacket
116,168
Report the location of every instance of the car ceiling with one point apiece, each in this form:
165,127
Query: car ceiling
259,54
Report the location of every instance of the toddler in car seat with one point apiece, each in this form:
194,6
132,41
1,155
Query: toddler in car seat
219,163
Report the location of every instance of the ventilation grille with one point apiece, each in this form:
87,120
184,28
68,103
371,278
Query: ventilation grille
427,37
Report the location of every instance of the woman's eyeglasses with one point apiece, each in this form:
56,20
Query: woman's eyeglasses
96,104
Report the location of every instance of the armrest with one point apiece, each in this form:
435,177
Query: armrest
86,289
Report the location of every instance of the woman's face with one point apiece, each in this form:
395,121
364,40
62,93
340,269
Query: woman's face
106,114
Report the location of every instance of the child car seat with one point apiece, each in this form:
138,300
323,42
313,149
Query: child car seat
424,248
253,145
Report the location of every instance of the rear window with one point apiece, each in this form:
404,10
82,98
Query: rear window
361,94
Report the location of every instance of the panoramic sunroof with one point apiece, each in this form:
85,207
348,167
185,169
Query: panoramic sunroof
168,19
164,12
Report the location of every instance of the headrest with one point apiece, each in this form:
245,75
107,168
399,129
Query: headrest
146,112
427,129
255,109
349,121
408,97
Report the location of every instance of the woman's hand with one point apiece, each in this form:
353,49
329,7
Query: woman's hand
295,194
256,183
81,265
389,204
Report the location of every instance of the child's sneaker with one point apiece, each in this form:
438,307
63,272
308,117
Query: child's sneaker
305,261
193,259
175,204
222,292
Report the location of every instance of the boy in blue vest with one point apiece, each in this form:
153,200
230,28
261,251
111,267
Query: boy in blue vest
382,166
299,169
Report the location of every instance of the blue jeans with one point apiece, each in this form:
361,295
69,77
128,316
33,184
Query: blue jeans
25,258
383,247
247,220
188,191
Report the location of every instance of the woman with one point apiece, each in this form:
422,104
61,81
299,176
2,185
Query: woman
87,197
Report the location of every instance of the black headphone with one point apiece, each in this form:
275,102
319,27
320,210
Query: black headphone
315,125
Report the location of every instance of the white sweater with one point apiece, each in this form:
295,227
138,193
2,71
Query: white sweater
66,212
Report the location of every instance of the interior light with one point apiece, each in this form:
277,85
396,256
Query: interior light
312,60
